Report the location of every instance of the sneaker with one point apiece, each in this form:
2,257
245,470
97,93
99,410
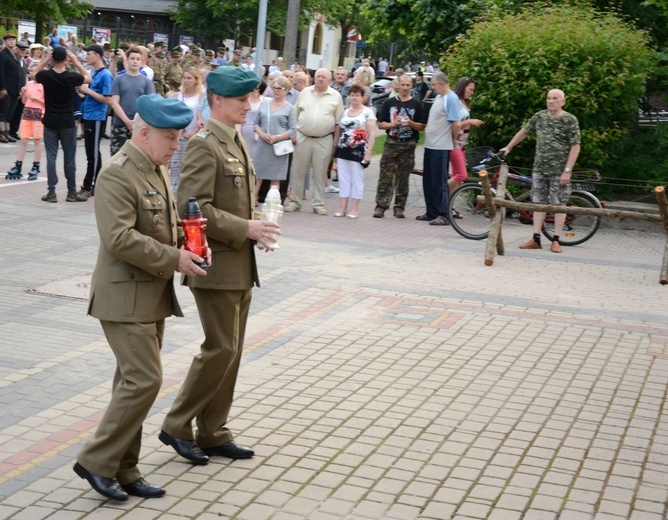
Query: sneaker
378,212
72,197
425,218
399,213
83,195
50,197
555,247
531,244
440,221
331,189
291,208
320,211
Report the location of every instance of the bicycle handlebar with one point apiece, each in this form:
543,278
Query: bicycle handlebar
491,156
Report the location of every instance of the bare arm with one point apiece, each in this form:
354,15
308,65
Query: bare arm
519,137
82,70
573,153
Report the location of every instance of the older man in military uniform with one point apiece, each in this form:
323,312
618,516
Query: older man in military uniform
132,291
218,172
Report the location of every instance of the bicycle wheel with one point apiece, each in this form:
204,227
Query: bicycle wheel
469,217
577,228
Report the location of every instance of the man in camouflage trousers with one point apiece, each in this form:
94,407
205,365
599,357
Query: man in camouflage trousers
557,148
403,119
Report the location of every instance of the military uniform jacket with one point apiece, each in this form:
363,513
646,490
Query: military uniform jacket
139,232
219,174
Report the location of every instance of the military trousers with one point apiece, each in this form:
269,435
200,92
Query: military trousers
208,390
114,449
396,166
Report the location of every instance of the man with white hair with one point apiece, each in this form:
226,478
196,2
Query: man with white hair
319,109
557,148
132,291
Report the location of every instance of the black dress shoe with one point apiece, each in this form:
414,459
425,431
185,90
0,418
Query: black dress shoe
141,488
184,447
231,450
108,487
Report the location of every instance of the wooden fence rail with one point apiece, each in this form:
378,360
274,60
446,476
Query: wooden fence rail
495,240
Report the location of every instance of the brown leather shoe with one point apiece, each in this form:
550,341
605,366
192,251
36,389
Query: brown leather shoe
555,247
531,244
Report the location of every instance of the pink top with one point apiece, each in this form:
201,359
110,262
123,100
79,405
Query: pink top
36,90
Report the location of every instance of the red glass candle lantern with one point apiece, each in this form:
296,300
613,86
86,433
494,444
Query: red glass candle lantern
194,229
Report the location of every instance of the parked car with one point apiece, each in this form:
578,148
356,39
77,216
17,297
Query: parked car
382,88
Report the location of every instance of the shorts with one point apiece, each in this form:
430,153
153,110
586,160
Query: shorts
546,188
34,129
458,164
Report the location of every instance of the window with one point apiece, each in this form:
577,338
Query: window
317,39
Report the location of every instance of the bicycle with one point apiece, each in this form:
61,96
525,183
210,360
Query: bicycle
469,216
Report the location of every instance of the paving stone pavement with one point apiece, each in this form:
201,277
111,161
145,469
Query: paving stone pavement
387,374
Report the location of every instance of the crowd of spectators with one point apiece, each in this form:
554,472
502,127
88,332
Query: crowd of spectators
292,103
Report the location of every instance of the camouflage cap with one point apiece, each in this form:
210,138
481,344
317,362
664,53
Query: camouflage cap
209,52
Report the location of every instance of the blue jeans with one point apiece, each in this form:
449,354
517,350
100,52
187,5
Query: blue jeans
68,140
434,182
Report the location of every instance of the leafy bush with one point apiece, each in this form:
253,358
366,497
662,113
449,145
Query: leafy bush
598,60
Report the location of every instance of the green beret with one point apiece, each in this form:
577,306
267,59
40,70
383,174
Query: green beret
232,81
162,112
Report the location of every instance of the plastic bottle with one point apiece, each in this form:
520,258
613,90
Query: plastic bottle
272,211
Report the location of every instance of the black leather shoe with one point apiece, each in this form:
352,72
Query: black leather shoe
231,450
108,487
186,448
141,488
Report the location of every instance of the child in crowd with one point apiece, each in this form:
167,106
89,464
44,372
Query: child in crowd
32,96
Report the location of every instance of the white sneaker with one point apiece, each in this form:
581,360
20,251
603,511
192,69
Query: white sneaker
331,189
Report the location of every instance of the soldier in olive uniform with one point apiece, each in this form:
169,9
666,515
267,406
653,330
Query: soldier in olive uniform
218,172
173,72
157,63
132,290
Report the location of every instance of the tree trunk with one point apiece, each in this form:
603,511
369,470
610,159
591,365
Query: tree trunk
291,33
39,28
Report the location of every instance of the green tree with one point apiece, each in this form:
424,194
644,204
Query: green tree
222,17
39,10
600,61
429,25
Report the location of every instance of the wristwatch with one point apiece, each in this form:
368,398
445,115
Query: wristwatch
567,170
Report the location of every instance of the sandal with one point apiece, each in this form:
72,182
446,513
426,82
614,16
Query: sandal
440,221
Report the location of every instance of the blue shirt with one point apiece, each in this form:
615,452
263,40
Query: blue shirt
55,41
93,110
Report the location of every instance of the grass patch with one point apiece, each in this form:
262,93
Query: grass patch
378,144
